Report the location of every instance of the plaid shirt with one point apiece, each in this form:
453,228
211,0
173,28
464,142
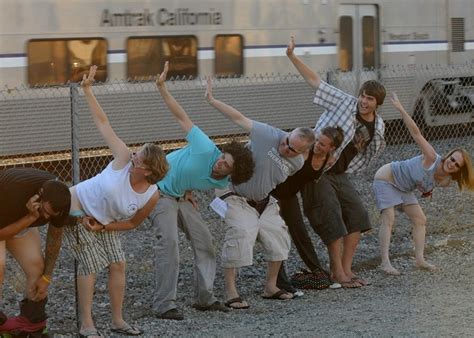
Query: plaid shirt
341,110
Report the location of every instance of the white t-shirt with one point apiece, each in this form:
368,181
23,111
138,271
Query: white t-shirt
109,197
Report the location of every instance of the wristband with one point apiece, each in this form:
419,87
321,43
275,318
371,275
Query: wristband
46,279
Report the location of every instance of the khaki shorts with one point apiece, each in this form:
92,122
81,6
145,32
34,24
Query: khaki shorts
94,251
245,226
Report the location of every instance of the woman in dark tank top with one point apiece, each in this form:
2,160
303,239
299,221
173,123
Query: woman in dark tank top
318,160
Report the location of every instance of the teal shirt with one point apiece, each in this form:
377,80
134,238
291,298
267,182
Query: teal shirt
191,166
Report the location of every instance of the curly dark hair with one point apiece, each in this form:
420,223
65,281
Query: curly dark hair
244,164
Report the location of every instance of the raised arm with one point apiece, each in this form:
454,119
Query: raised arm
231,113
311,77
426,148
175,108
117,146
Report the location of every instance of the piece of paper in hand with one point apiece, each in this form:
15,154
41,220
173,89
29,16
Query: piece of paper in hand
219,206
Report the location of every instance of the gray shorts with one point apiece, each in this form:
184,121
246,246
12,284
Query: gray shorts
94,251
334,208
387,195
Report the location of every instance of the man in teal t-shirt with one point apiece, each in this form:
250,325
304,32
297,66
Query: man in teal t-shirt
198,166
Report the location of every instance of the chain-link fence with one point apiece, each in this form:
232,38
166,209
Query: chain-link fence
52,129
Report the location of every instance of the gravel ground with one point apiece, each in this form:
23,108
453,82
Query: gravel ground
414,304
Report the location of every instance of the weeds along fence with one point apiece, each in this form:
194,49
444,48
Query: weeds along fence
51,127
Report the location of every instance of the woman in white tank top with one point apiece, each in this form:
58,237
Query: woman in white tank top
117,199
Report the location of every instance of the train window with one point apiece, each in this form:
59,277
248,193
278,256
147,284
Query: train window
57,61
345,43
457,34
147,55
229,55
368,42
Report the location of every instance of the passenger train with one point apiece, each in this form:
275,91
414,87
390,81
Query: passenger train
52,42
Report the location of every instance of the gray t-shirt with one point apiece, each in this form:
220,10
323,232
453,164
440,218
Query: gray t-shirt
270,167
410,174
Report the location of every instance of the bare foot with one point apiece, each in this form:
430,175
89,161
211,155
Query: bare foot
389,269
424,265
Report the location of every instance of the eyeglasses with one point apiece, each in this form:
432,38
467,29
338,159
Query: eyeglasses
290,147
456,164
136,163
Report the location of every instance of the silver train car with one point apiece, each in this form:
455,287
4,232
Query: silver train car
52,42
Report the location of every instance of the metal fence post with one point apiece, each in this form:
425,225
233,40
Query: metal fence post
75,164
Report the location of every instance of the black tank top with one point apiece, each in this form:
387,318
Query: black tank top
294,183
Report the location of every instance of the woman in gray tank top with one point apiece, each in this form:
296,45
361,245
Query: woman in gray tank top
396,182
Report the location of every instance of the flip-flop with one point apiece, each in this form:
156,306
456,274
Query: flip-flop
350,284
361,281
90,333
277,295
236,300
127,330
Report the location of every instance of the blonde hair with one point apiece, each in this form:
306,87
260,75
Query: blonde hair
465,175
155,159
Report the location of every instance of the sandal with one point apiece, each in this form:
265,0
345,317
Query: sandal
361,281
127,330
231,304
279,295
90,333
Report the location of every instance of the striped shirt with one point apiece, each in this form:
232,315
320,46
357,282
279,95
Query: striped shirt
341,110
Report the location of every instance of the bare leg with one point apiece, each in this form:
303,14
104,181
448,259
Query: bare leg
116,286
230,274
335,261
85,293
351,241
270,282
27,252
385,233
418,218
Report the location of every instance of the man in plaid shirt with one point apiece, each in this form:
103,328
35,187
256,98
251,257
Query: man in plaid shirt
332,204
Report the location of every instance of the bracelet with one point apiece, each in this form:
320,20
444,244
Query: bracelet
46,279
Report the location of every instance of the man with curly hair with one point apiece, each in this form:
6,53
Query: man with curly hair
198,166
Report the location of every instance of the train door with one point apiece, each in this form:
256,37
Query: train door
358,45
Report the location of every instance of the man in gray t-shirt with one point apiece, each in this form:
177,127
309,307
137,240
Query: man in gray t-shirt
251,213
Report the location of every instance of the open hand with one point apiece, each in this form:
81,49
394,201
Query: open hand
161,78
208,93
291,46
